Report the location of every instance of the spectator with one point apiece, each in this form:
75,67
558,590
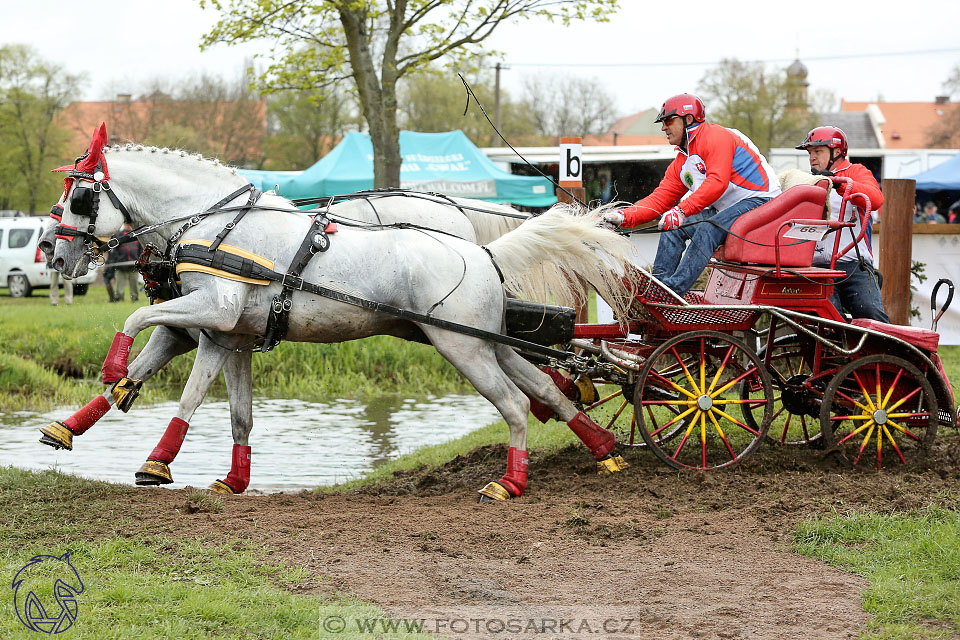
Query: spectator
123,260
606,189
55,290
953,213
930,215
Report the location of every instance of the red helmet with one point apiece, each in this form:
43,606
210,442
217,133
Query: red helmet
826,136
684,104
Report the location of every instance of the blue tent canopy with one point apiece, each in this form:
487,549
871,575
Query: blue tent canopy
943,176
445,163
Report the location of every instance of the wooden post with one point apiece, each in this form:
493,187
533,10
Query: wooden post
571,179
896,247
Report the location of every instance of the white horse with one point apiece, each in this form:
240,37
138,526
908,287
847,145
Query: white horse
472,220
421,271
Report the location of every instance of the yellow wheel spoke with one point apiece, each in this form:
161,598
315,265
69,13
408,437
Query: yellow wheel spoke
856,431
675,386
693,384
866,394
723,365
893,386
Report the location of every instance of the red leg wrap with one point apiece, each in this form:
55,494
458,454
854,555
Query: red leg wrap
88,416
600,441
515,479
115,364
169,445
239,476
542,412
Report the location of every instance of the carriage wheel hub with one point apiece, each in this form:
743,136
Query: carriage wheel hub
880,416
704,403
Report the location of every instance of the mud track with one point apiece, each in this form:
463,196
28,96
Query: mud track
684,555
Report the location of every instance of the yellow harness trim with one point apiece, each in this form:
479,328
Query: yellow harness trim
237,251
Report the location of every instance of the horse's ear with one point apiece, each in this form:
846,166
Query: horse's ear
95,152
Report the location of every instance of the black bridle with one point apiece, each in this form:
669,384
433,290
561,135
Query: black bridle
85,203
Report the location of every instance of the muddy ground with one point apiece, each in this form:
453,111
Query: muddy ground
682,555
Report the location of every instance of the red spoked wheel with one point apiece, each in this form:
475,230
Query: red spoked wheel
796,415
692,384
879,409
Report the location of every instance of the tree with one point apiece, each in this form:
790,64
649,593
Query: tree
564,106
434,101
743,96
321,43
945,134
32,92
302,128
209,115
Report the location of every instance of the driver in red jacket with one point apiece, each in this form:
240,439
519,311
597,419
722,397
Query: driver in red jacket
858,293
722,175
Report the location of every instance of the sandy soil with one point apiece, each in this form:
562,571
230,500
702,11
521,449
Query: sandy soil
678,555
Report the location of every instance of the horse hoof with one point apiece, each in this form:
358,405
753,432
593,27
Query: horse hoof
125,391
219,486
493,491
57,435
611,464
153,473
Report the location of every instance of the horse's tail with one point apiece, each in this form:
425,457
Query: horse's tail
490,226
547,254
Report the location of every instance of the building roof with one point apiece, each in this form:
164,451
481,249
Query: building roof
134,120
905,124
856,124
638,124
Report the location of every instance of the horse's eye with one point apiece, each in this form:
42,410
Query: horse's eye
81,201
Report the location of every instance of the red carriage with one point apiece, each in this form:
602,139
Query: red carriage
761,353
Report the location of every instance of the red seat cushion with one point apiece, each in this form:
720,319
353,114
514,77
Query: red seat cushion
760,226
922,338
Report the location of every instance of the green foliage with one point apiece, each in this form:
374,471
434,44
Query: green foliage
769,108
433,101
911,560
302,127
32,93
205,114
317,44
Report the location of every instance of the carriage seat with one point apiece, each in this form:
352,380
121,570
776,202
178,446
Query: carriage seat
760,225
920,338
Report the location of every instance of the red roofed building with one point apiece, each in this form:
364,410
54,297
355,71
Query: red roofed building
233,131
904,125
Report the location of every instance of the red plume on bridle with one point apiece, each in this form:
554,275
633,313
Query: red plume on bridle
93,159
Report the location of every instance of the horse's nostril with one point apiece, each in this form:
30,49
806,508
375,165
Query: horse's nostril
58,264
46,247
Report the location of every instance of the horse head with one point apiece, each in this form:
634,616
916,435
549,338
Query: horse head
86,221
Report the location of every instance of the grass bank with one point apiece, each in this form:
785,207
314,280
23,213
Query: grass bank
137,585
912,561
52,355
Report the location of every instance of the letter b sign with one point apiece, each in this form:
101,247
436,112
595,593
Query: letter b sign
571,161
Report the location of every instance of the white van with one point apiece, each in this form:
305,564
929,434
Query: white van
23,266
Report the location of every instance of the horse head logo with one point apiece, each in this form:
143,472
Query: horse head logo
40,580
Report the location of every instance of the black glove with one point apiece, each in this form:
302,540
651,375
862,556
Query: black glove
818,172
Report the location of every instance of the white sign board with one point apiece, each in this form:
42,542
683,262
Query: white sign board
571,162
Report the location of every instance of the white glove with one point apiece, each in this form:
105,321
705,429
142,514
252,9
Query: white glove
671,219
613,219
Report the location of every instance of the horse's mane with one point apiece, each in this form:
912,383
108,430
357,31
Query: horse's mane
181,153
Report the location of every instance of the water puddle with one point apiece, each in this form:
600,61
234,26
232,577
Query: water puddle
296,444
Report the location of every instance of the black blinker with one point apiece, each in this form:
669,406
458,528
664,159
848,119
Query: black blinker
81,201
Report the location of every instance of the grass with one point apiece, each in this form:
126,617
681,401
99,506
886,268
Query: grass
911,560
53,356
137,585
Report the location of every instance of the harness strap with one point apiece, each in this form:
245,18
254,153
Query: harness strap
254,196
276,326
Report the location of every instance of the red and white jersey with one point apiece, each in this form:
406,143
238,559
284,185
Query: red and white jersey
719,168
863,183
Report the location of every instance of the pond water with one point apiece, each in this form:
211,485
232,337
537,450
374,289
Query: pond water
295,444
